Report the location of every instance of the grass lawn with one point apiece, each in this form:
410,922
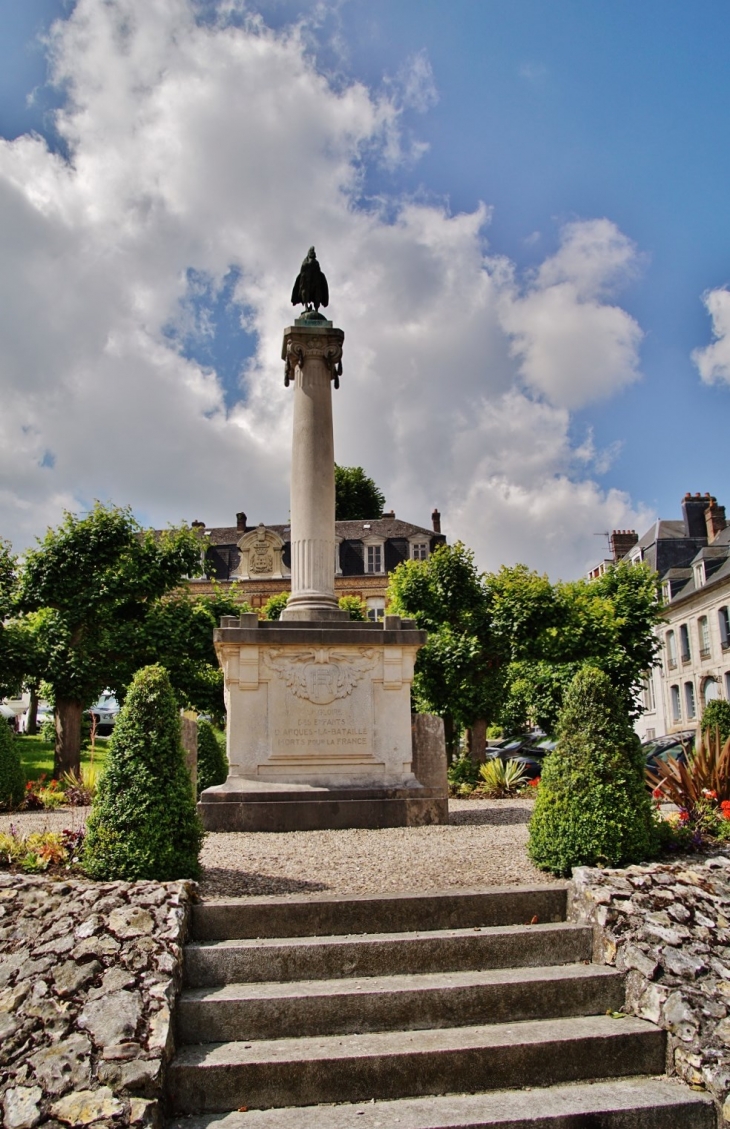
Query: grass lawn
37,755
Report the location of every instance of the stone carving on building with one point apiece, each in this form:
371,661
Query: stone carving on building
321,674
261,551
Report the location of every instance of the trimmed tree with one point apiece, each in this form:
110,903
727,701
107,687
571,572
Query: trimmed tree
716,717
143,822
212,760
357,498
593,807
12,777
97,576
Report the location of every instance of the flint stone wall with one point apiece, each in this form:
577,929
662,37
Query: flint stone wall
89,973
667,926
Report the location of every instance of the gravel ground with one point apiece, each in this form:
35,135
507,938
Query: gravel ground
483,845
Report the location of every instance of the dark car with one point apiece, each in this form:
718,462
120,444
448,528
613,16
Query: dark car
530,753
675,745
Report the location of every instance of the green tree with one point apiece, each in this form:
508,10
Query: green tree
355,607
177,631
275,605
212,760
98,575
460,671
716,716
12,777
25,659
554,629
357,498
143,822
592,804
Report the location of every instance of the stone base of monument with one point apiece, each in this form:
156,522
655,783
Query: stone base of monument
320,733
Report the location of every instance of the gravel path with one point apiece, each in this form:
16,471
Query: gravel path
483,845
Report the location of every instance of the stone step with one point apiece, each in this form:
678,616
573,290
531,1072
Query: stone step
347,1006
628,1103
385,954
272,1073
323,916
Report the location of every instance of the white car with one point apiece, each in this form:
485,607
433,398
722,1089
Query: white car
105,711
45,713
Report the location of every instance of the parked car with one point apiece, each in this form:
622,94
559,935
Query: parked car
105,711
676,745
44,713
6,714
529,751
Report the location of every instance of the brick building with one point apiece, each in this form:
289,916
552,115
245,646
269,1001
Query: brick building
258,557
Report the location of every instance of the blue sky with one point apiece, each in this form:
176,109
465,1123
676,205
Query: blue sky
548,114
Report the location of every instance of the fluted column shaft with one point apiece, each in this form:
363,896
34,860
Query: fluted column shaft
312,354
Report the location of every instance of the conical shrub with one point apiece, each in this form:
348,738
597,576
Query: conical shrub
592,807
12,777
212,760
143,822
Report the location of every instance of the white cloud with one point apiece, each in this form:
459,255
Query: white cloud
713,361
572,346
203,148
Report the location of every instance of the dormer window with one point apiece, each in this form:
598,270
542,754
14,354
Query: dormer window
419,550
374,557
666,591
699,570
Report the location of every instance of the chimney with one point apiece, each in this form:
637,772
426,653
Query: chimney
198,525
241,522
436,521
390,514
693,512
620,541
714,520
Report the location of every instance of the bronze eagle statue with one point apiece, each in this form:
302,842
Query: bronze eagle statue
310,289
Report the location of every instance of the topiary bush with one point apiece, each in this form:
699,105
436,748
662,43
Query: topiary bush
212,760
12,777
593,807
716,716
143,822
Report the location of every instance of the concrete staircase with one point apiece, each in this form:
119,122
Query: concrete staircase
460,1010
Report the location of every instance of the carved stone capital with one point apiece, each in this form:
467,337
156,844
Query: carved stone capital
317,343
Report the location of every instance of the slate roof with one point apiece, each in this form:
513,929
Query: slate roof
385,527
668,549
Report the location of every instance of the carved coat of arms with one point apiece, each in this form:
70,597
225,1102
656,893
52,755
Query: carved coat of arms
321,674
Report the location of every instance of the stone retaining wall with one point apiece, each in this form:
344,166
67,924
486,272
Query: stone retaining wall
88,976
668,926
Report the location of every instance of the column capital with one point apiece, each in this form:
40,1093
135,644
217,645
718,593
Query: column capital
315,342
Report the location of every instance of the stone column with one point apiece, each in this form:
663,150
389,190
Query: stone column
312,353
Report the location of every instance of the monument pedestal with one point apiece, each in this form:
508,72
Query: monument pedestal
319,728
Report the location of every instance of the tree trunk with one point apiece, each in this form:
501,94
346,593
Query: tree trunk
478,740
449,738
68,737
32,724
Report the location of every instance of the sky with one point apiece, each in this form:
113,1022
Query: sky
521,209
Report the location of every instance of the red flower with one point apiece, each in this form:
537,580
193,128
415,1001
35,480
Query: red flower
657,793
683,816
534,783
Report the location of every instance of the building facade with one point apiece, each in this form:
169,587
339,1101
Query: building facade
692,559
257,559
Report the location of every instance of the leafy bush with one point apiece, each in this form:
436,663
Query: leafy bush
592,805
47,731
80,789
212,760
143,822
463,775
45,850
502,779
716,718
275,605
355,607
12,777
495,732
